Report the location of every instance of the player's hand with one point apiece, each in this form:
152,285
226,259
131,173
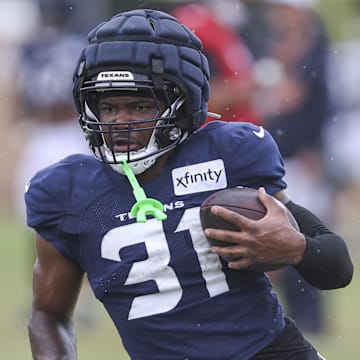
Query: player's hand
270,240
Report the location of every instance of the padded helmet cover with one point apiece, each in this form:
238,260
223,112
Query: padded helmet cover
132,40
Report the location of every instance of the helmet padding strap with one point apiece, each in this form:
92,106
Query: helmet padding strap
157,66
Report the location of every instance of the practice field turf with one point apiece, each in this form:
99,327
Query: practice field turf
97,339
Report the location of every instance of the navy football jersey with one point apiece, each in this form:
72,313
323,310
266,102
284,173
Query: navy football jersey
168,295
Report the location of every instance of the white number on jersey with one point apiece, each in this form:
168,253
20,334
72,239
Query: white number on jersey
156,266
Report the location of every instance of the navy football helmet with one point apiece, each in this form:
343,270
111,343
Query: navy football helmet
142,52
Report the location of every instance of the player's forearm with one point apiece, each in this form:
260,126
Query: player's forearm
326,263
50,338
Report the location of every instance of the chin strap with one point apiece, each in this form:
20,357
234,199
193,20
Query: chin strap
144,205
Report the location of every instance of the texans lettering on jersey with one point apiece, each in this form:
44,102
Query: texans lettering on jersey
167,294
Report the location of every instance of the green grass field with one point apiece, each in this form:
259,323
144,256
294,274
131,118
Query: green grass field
100,341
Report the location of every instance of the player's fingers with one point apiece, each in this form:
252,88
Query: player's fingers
266,199
221,235
232,217
263,195
239,264
272,205
229,252
234,255
234,237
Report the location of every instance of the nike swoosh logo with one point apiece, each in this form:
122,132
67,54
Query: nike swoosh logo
261,133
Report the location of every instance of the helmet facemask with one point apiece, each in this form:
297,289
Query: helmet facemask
114,141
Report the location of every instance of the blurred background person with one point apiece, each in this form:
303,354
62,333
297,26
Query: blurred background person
342,132
294,55
231,66
344,80
292,98
48,122
268,62
24,22
45,110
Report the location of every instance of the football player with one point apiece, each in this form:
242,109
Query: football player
141,88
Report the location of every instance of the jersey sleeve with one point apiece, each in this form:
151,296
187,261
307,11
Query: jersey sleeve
253,158
47,215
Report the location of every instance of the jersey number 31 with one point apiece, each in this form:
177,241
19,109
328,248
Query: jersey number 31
156,266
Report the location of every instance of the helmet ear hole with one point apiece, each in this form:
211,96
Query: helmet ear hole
166,136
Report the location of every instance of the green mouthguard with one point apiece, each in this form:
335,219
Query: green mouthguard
144,205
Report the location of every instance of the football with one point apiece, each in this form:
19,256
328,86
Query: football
245,202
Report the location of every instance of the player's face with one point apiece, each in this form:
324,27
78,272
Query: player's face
130,121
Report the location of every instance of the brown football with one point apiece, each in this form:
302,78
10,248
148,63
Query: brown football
245,202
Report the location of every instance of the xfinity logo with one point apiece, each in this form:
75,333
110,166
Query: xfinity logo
199,177
189,178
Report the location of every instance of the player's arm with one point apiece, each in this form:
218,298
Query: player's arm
56,286
326,263
319,255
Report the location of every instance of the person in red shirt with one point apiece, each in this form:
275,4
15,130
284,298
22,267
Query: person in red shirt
230,63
